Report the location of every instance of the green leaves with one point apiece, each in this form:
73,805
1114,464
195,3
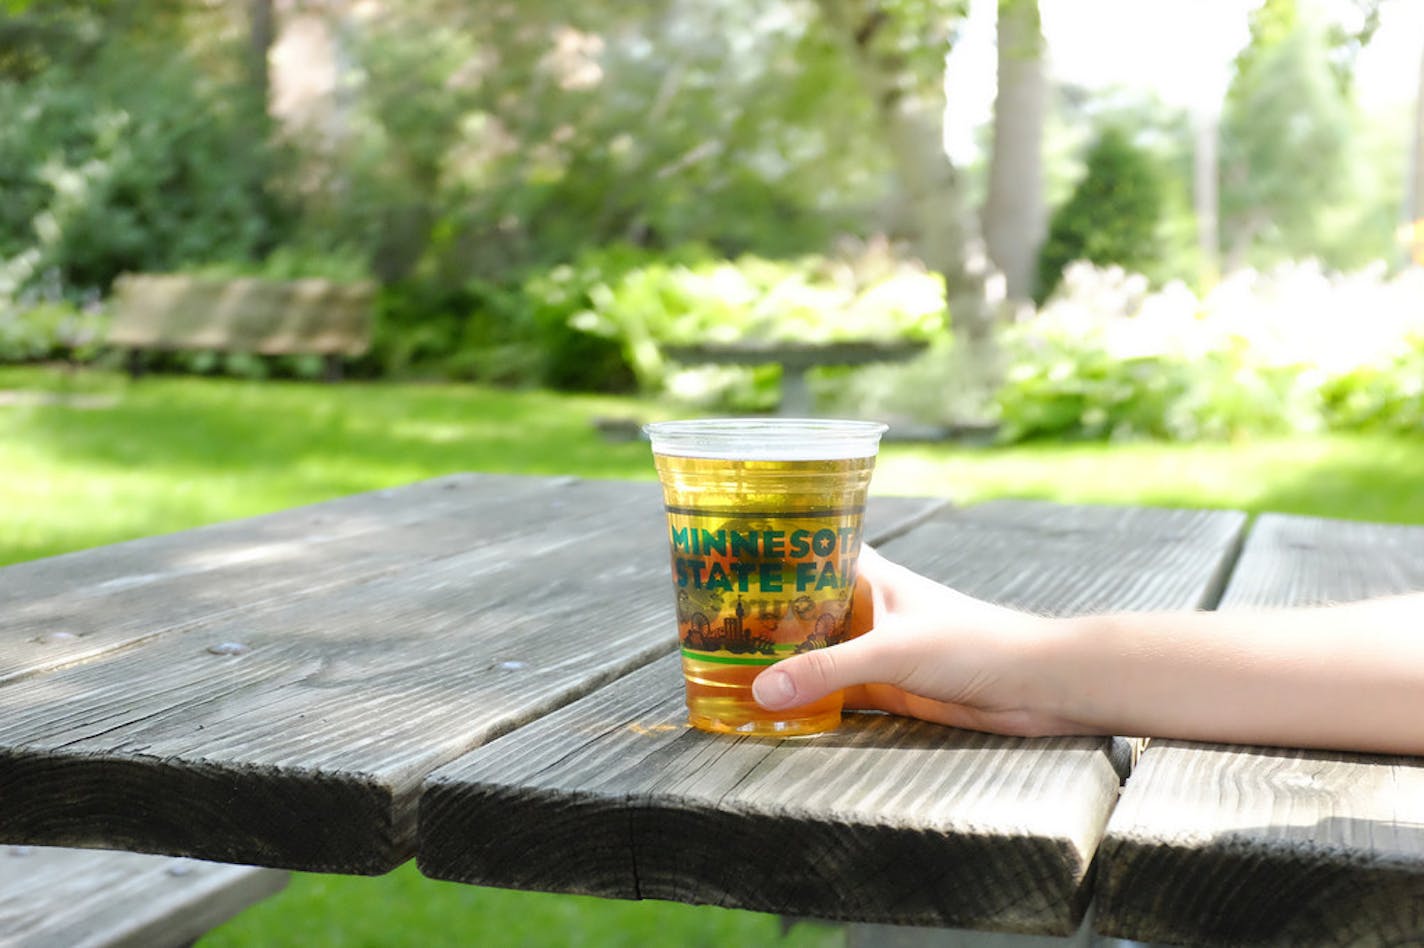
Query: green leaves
1261,353
126,164
1114,215
1385,397
1285,138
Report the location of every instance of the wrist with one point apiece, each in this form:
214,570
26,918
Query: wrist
1070,662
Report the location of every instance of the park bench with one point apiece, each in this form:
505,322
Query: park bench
82,898
172,312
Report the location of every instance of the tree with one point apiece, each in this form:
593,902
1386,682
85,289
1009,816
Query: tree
1113,216
897,48
126,148
1415,216
1014,213
487,138
261,31
1285,137
36,35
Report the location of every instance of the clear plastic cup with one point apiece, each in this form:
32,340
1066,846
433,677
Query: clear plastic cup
764,525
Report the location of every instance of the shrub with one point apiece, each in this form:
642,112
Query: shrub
1289,350
1388,395
1114,215
579,352
1293,349
867,294
462,332
291,262
39,323
135,161
56,329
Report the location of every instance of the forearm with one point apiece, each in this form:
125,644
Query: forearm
1346,677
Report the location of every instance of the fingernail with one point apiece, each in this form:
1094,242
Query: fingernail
773,689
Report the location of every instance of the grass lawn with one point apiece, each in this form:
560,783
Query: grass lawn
93,458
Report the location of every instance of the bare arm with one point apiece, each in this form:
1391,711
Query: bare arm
1347,677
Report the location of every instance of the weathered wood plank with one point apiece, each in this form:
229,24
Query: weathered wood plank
76,898
886,820
294,730
889,517
78,606
1213,844
1064,560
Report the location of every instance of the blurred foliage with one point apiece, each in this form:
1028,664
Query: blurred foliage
48,330
602,321
291,262
1286,147
509,136
1387,396
1112,358
551,194
1114,215
1160,131
1070,385
870,294
134,160
36,35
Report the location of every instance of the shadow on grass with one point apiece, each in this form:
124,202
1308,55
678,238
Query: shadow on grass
344,438
165,454
1382,479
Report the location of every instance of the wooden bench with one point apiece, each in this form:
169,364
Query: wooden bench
170,312
81,897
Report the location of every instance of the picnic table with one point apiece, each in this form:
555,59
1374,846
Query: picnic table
480,671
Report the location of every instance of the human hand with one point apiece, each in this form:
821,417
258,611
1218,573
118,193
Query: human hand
933,653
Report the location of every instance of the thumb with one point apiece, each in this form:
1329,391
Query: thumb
813,675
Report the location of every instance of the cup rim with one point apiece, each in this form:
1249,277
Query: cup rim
766,439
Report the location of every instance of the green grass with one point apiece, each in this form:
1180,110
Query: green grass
93,458
405,908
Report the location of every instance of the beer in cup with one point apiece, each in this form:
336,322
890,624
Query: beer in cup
764,528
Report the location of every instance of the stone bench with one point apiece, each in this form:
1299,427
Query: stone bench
173,312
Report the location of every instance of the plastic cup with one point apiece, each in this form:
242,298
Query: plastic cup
764,527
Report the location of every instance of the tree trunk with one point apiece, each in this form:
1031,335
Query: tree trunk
943,230
1207,129
261,33
1015,219
1416,177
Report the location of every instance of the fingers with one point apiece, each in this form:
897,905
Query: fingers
813,675
894,586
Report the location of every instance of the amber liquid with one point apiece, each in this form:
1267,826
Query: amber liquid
763,557
719,698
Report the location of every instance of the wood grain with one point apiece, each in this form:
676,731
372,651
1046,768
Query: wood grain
1214,844
78,606
886,820
288,720
75,898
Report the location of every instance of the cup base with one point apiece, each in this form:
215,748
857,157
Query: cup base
794,727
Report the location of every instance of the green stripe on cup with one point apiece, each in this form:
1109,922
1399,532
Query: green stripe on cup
729,659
